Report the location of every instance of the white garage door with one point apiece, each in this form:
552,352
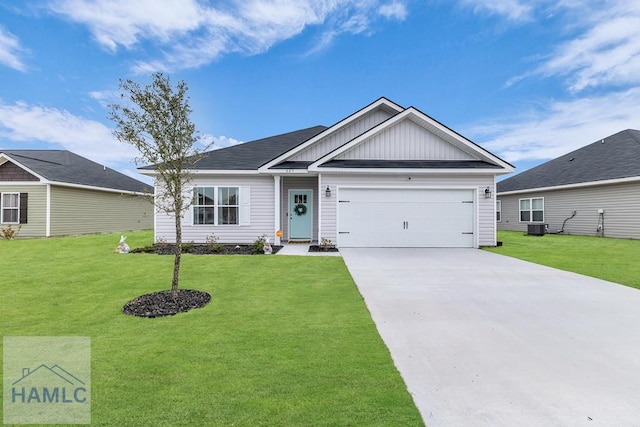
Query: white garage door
375,217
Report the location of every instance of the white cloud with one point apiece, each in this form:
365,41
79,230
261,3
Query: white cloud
561,127
24,123
393,10
106,97
124,22
216,142
515,10
192,33
607,53
598,61
9,51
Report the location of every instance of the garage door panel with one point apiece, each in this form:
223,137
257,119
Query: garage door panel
406,218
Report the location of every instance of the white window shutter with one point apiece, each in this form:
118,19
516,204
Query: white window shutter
245,205
187,215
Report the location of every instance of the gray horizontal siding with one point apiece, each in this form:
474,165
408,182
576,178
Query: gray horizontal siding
340,137
406,140
261,213
37,209
621,203
81,211
485,218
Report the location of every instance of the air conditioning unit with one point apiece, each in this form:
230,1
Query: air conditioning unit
535,229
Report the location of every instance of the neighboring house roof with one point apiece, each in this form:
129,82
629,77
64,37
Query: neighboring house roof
614,157
65,167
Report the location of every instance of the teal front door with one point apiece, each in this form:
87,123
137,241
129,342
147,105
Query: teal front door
300,214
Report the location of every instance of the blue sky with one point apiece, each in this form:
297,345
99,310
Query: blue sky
528,80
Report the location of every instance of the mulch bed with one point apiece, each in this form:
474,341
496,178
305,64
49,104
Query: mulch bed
202,249
162,303
316,248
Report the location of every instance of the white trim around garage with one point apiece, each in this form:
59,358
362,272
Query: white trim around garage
421,234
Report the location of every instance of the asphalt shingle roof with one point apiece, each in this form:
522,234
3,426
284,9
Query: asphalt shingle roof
251,155
614,157
66,167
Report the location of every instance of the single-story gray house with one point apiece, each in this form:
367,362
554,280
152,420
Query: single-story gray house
385,176
56,193
594,190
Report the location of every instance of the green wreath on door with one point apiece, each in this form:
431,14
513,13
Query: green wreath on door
300,209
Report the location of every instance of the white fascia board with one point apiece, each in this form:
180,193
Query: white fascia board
287,172
342,123
572,186
21,166
411,171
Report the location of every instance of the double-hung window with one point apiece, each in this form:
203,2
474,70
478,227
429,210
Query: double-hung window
203,205
532,210
228,206
10,208
498,210
216,205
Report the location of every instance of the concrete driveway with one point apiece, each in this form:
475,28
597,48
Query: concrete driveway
486,340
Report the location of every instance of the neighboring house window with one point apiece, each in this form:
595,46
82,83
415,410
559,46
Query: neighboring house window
532,210
13,208
498,210
216,205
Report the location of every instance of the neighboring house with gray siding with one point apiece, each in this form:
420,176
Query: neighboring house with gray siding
385,176
599,182
56,192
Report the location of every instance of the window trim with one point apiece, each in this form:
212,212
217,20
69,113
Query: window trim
205,206
3,208
498,210
217,206
531,210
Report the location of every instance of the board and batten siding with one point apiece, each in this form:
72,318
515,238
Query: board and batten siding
338,138
84,211
621,204
485,211
36,225
405,140
261,220
298,183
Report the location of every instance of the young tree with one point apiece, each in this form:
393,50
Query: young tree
155,120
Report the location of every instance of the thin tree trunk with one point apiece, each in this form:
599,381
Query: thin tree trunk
178,253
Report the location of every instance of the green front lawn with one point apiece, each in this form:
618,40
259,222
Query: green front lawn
615,260
285,340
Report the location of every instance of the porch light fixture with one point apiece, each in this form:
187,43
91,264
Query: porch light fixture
487,193
327,192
